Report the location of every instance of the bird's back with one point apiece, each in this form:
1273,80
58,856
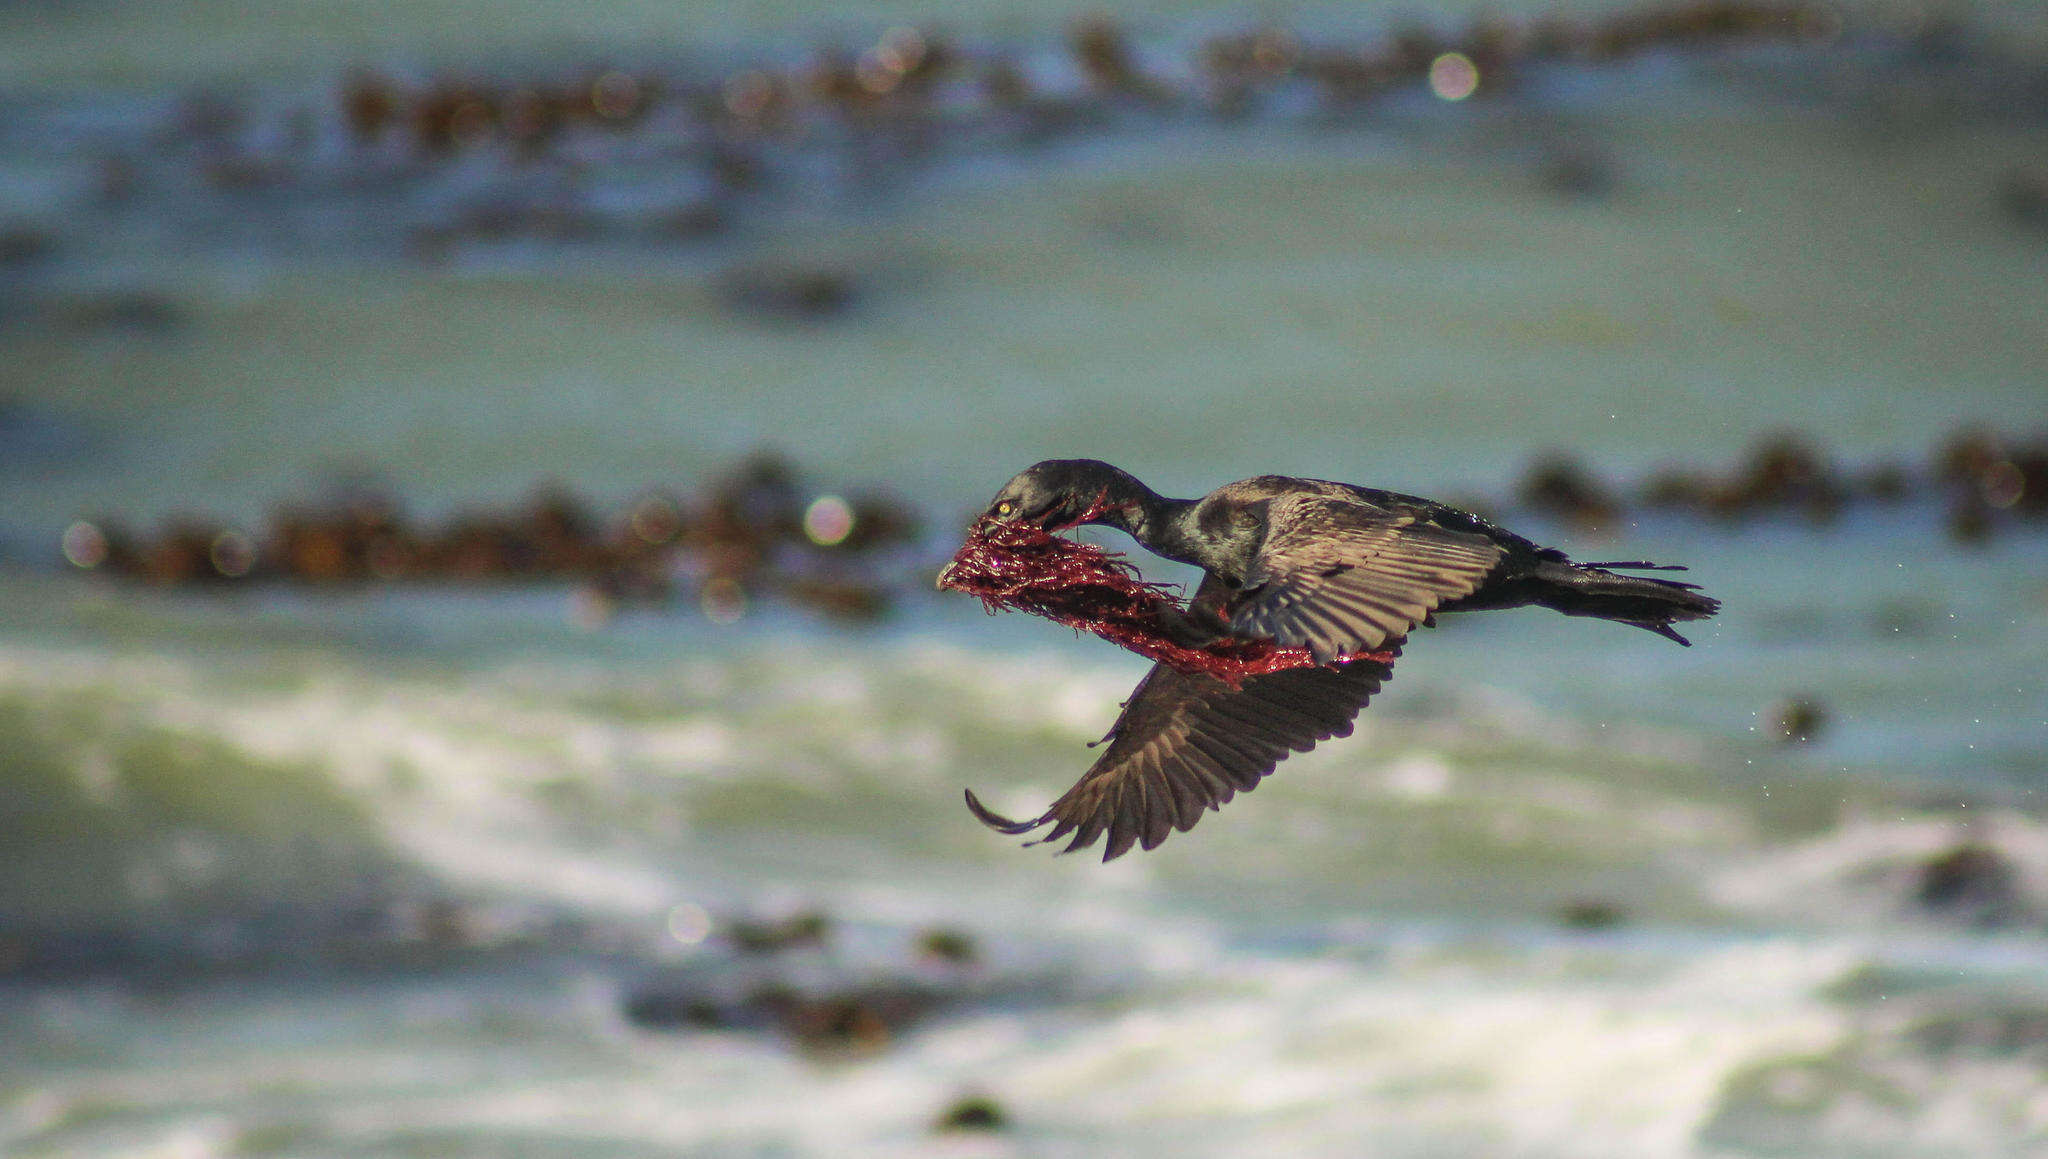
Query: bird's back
1256,494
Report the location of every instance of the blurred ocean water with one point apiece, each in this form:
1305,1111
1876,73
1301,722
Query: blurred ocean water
399,870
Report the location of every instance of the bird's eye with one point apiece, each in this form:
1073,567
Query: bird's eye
1004,508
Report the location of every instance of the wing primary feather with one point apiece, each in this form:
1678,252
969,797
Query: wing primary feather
1208,782
997,821
1123,825
1086,832
1191,794
1161,809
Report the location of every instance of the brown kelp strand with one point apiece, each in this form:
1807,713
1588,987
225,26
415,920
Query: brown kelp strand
757,532
1017,566
1982,482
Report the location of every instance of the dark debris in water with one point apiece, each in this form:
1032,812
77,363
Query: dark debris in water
971,1113
852,1021
791,978
1588,914
2023,192
1799,720
788,293
806,930
948,946
1972,882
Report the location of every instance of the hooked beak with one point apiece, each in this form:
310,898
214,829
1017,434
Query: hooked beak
946,576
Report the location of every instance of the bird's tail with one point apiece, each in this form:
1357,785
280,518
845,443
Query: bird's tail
1594,589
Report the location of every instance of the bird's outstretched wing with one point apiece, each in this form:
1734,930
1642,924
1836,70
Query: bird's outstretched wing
1339,577
1188,742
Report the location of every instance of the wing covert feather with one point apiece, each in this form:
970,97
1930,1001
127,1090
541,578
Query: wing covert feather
1340,577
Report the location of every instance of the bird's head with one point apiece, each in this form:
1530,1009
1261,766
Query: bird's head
1058,493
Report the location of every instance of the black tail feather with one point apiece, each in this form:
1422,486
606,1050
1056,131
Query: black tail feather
1647,602
1666,631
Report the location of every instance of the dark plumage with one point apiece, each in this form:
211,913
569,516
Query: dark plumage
1337,569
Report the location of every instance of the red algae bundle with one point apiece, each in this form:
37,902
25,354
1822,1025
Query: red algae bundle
1022,567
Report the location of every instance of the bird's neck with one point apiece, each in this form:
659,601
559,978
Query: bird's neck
1164,526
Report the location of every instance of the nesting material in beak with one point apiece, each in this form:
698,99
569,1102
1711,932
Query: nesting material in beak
1021,567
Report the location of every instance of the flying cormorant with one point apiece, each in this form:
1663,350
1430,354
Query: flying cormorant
1342,571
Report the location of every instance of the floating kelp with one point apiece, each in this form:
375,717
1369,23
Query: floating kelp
756,532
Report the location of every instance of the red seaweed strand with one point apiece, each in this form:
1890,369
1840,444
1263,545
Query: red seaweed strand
1022,567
